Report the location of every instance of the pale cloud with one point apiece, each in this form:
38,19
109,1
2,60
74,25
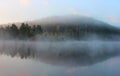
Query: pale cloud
44,3
74,11
77,12
24,3
113,19
86,14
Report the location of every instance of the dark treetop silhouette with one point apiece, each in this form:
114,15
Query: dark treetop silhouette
62,28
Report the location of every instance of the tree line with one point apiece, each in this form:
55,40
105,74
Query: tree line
22,32
25,31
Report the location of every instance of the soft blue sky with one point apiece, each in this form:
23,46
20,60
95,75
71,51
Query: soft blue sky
25,10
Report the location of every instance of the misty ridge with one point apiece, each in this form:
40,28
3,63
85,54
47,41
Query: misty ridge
61,28
59,38
69,40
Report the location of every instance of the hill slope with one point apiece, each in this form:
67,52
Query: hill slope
64,28
77,27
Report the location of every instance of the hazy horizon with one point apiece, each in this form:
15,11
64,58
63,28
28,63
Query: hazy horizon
59,38
27,10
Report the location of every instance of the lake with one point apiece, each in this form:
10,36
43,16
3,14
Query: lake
71,58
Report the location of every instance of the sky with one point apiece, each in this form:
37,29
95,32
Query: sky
27,10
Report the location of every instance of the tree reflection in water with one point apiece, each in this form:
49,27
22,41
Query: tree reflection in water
61,53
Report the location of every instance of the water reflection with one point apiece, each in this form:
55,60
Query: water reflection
62,53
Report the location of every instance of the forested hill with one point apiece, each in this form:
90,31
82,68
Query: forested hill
61,28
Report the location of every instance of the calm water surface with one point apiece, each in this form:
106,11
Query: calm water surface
59,59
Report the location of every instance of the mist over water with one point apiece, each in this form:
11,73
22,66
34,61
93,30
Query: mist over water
59,38
67,53
57,53
59,58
